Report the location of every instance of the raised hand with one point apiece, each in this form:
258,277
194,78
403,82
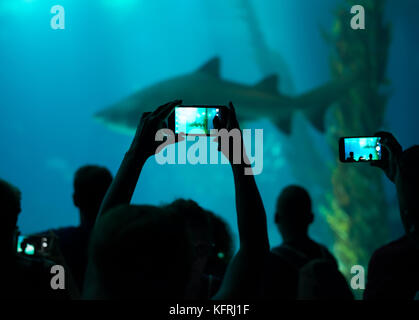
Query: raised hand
144,142
233,151
227,119
391,151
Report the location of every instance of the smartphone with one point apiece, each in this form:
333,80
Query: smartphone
32,245
360,149
24,247
194,120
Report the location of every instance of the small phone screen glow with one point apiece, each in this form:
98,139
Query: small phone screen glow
29,250
193,120
362,149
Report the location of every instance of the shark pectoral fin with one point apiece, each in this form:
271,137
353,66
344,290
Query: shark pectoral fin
284,124
212,67
316,116
314,104
242,119
268,84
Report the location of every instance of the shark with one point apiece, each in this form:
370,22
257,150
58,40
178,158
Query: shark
205,86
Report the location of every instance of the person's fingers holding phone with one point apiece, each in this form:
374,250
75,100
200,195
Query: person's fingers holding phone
162,115
227,120
390,151
233,123
52,248
390,143
157,119
220,123
150,124
164,111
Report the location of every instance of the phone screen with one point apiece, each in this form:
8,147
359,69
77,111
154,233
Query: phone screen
29,249
32,245
195,120
360,149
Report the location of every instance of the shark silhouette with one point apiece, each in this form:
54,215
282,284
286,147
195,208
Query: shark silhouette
206,87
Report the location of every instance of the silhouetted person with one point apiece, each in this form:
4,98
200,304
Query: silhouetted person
151,252
393,271
245,271
141,251
370,157
90,185
351,157
223,249
300,266
21,276
213,245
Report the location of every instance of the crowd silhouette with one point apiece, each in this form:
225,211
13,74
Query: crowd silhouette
182,251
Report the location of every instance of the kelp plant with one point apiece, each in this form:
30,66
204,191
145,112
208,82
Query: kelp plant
355,207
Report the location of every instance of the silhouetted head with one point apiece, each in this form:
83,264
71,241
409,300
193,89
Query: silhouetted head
211,239
10,197
407,184
210,234
139,252
90,186
223,248
351,154
198,220
293,212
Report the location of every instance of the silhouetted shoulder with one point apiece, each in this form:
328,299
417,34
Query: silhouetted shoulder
304,252
34,265
392,271
396,253
31,279
71,234
280,277
65,230
327,254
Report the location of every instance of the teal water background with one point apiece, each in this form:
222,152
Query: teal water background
53,81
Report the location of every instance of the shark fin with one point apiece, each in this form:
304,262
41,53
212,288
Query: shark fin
284,124
212,67
269,84
316,116
315,103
